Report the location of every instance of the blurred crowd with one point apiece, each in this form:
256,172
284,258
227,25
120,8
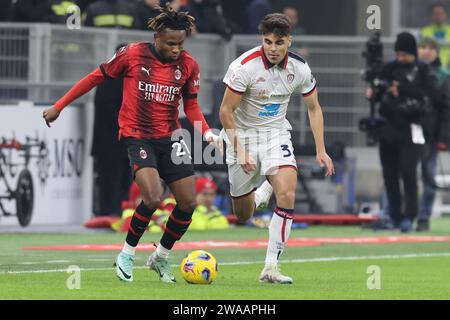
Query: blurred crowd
223,17
415,104
439,29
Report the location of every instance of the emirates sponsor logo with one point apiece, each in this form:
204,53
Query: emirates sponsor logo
158,92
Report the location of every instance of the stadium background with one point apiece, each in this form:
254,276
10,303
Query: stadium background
40,61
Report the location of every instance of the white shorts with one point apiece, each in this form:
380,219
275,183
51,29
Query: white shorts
270,151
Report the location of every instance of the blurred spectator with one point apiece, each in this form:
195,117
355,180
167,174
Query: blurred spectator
161,215
235,13
29,11
206,216
6,10
437,130
112,14
58,11
209,17
293,17
111,164
292,14
177,4
256,11
440,30
146,9
83,4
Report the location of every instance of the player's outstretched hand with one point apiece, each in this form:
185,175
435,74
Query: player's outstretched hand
50,114
246,161
214,140
324,160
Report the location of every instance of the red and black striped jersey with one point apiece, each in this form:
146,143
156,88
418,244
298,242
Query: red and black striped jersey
152,89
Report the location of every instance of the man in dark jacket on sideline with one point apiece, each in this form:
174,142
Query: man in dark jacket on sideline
410,85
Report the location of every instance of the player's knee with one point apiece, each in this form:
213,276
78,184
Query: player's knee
151,201
286,197
188,206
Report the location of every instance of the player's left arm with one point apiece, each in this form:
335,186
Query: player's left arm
192,108
316,121
196,117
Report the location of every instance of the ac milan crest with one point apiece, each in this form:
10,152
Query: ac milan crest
143,154
178,74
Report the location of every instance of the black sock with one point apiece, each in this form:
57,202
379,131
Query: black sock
176,226
139,222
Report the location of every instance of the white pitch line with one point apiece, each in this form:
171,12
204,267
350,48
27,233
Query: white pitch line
100,260
324,259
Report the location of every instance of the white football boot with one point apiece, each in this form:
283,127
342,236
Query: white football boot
262,195
272,274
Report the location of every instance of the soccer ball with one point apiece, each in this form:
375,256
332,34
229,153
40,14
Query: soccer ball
199,267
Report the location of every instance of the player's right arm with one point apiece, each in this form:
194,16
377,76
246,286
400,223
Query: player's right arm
113,68
230,103
237,81
80,88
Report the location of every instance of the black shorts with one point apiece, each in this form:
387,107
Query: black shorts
172,159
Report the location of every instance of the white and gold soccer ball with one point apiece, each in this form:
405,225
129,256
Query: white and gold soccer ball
199,267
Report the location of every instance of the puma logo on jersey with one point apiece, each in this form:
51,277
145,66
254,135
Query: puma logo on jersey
146,70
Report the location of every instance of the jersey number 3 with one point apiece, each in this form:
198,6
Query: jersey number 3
285,148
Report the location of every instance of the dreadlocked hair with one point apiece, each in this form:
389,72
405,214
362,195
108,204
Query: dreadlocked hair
168,18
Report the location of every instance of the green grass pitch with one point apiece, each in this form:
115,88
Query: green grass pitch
329,271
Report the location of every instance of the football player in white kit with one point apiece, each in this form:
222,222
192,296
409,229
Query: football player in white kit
256,131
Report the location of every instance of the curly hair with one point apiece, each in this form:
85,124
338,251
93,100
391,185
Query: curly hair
168,18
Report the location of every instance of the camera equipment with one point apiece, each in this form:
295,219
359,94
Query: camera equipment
371,74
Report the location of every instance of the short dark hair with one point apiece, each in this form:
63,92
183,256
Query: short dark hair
276,23
429,42
168,18
438,4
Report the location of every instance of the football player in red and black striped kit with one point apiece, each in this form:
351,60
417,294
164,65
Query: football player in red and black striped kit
156,76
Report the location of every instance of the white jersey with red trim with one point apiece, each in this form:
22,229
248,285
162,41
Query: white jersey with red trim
266,88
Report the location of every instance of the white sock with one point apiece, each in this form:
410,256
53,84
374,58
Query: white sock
279,231
128,249
162,252
263,193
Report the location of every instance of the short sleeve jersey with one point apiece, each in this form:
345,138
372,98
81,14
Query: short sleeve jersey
266,88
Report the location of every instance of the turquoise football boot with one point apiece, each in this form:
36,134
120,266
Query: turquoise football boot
124,267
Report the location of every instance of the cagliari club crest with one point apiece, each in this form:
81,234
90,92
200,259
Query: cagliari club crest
290,77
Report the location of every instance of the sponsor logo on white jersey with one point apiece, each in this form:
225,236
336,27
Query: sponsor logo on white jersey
271,110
